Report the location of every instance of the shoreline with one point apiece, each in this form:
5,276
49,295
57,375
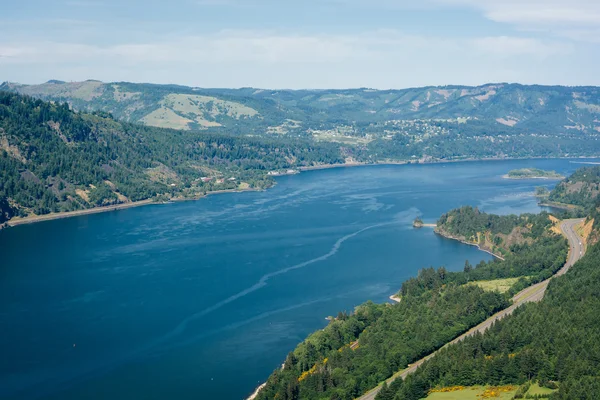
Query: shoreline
558,205
116,207
257,391
446,236
419,162
522,178
77,213
49,217
419,226
395,298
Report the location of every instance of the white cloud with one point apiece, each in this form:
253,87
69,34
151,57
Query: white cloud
557,16
382,59
554,15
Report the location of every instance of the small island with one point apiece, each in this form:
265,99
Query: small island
418,223
532,173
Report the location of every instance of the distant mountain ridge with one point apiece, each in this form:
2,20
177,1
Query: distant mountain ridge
506,107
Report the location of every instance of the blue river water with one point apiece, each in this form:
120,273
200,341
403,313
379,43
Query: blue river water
203,299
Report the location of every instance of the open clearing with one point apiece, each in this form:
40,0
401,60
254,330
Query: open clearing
195,104
166,118
536,389
178,111
475,393
500,285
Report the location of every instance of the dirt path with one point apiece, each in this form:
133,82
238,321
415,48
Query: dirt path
532,293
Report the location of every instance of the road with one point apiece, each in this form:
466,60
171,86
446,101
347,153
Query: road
530,294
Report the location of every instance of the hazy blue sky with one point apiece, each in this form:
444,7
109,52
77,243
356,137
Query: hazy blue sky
302,44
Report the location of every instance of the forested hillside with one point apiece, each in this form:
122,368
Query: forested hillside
555,342
329,365
431,123
355,352
53,159
543,108
498,234
580,189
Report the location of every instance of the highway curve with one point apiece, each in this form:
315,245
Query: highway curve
532,293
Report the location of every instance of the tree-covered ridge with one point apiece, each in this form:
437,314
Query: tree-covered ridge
428,124
555,340
494,233
580,189
332,365
554,108
532,263
53,159
353,353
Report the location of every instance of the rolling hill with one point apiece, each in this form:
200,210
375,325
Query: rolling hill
508,108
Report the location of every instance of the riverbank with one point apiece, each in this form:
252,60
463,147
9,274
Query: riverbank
395,298
421,225
448,236
561,206
33,219
520,178
258,389
48,217
96,210
435,161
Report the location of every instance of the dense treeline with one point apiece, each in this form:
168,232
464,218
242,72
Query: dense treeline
554,340
54,159
329,366
477,142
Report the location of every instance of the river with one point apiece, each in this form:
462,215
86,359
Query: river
203,299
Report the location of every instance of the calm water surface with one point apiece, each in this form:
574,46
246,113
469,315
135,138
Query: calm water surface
204,299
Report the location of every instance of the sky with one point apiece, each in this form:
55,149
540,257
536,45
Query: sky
302,44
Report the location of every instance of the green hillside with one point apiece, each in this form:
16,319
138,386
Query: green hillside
555,340
580,189
491,108
420,124
53,159
357,351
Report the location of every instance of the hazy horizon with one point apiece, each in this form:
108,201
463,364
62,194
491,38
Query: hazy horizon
313,44
300,89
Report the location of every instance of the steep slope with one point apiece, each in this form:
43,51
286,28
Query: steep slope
53,159
154,105
553,341
580,189
355,352
508,107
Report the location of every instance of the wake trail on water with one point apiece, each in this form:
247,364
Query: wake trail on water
265,278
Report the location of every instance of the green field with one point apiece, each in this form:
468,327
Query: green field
501,285
474,393
537,389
